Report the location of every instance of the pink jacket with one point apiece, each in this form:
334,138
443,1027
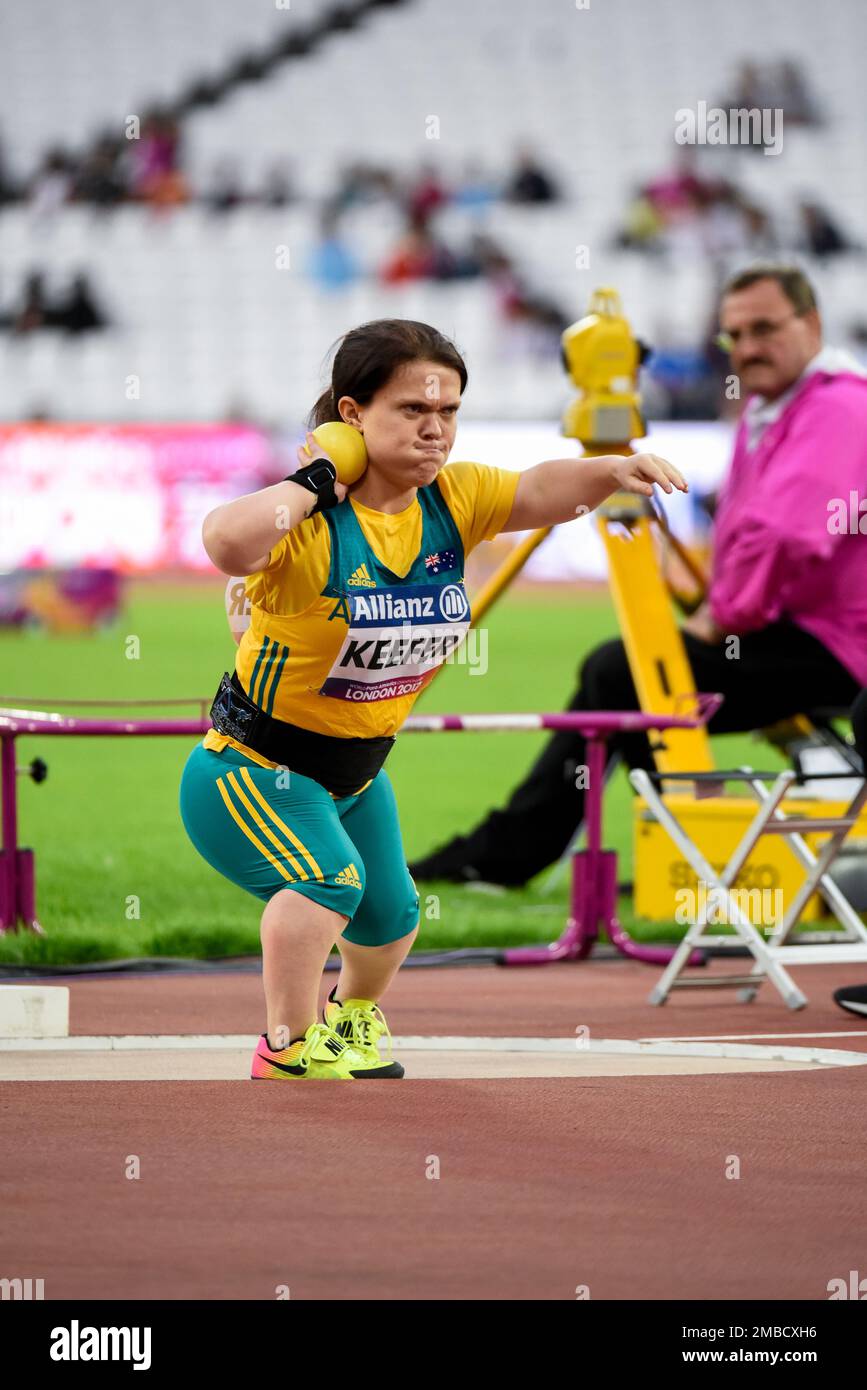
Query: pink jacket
776,554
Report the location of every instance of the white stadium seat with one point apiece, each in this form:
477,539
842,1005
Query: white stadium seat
594,91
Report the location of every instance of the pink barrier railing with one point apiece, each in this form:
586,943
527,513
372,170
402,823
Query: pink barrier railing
593,895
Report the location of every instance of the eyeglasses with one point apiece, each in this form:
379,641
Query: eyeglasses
761,330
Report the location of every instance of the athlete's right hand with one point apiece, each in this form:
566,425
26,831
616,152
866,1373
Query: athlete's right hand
640,472
314,451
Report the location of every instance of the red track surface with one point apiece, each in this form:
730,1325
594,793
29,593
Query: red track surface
615,1183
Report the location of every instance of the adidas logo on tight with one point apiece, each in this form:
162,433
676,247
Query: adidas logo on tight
349,876
360,579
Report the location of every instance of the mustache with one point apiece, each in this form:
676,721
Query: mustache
755,362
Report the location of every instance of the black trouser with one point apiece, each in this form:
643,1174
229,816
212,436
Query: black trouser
781,671
859,726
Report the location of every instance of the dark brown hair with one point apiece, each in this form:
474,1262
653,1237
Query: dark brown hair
791,280
368,355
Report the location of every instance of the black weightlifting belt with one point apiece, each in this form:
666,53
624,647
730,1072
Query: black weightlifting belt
341,765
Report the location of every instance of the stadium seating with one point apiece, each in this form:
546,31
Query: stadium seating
200,311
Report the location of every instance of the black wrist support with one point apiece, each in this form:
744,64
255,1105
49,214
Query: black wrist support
319,478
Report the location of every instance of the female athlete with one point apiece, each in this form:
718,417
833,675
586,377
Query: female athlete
357,596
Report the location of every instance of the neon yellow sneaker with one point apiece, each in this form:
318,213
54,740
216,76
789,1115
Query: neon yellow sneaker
360,1023
319,1056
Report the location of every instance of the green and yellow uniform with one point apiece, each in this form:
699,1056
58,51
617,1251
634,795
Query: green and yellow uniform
351,616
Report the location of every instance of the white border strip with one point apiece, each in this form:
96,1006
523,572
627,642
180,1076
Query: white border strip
647,1047
133,1042
751,1037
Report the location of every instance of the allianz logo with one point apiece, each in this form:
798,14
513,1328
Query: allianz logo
453,603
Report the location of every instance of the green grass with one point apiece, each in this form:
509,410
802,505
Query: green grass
105,824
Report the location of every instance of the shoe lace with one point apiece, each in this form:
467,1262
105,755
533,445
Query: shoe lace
314,1038
367,1026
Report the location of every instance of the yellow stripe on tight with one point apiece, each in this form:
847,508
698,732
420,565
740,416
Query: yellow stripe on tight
302,848
266,829
263,849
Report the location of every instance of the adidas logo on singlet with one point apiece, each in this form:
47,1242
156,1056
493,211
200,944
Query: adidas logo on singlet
360,579
349,876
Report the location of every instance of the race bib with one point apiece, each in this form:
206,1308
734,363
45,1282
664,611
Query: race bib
396,639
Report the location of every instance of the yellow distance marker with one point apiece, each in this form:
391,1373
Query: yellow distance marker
345,446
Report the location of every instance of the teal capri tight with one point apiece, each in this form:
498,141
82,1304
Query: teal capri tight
267,829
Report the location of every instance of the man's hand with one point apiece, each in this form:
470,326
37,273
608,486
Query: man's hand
700,624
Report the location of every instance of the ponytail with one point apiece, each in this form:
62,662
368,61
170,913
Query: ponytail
324,410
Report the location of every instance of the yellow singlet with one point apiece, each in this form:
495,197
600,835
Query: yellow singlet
356,609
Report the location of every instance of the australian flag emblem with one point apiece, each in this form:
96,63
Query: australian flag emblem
440,560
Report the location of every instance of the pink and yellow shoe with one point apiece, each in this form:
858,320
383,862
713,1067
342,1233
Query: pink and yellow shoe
360,1023
319,1056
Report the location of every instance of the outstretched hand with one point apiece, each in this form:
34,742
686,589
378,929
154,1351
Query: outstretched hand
640,472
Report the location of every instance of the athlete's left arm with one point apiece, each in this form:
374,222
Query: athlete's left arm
561,489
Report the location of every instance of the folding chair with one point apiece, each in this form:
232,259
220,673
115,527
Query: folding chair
772,955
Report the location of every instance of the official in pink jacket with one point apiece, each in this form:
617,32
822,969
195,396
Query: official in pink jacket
788,575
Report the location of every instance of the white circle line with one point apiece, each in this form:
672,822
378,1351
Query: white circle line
649,1047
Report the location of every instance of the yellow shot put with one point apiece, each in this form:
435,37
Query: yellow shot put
345,447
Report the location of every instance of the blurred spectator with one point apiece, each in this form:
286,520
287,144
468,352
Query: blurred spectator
420,255
474,188
761,237
723,227
99,178
52,184
775,86
76,312
79,312
677,199
751,88
681,189
529,182
858,340
277,190
684,214
155,158
7,191
331,263
426,194
225,192
35,311
819,235
363,183
795,98
169,190
642,224
415,257
502,275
